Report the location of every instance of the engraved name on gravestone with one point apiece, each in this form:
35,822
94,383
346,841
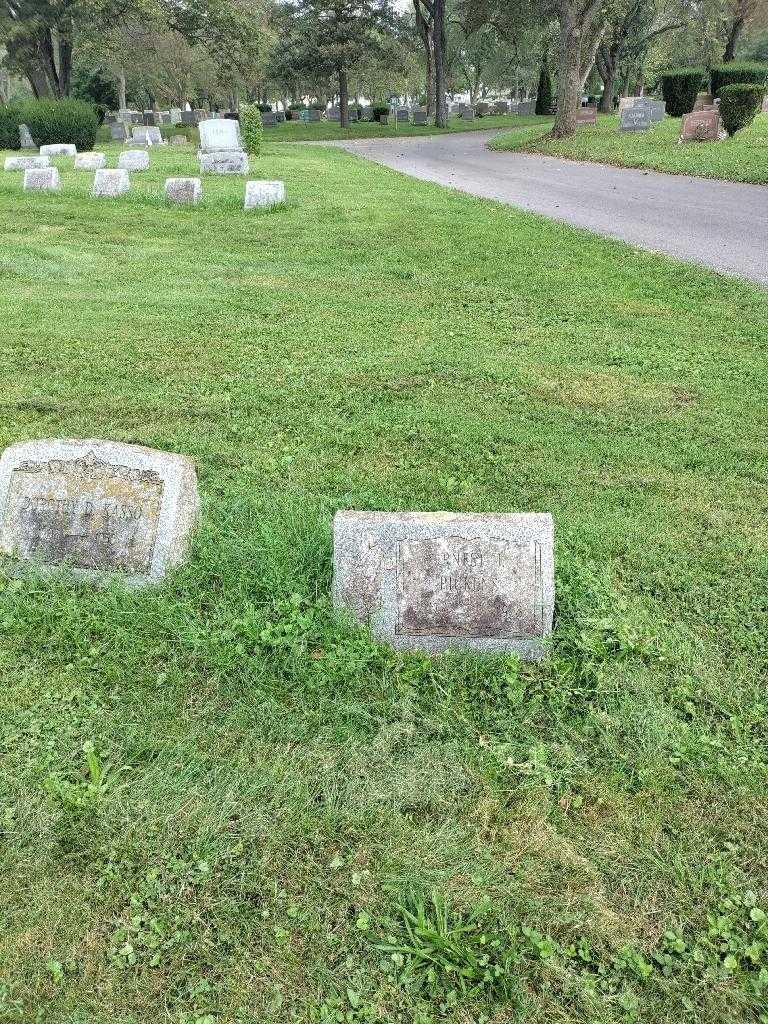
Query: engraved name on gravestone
702,126
433,581
97,506
219,135
635,118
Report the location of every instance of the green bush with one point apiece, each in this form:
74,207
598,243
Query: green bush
54,121
680,88
251,128
544,92
379,111
739,104
10,119
738,73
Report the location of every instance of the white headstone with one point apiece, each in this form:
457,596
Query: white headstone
58,149
110,183
98,507
219,134
23,163
90,161
134,160
43,179
224,162
183,190
263,193
25,138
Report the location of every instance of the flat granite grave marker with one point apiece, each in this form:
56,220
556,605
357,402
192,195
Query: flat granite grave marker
90,161
97,506
224,162
58,149
183,191
263,193
433,581
133,160
586,115
42,179
702,126
635,118
25,163
108,184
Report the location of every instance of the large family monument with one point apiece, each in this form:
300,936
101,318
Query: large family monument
99,507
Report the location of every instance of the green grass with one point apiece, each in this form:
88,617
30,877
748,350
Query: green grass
744,157
297,131
221,805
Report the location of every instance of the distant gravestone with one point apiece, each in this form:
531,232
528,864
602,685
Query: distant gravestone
403,114
704,101
420,118
501,107
118,132
179,140
269,119
199,115
468,114
334,114
97,506
527,108
188,117
219,135
90,161
25,138
175,115
702,126
109,184
58,149
635,118
586,115
224,162
133,160
25,163
150,117
263,193
42,179
280,116
183,191
315,115
367,114
439,580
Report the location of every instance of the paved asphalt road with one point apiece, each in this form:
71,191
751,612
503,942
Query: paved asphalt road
717,223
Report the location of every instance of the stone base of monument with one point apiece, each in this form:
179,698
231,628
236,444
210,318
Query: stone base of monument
58,149
42,179
437,581
133,160
98,508
184,191
26,163
226,161
90,161
263,193
109,184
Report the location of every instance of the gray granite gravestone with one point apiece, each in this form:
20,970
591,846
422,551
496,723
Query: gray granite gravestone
133,160
403,114
224,162
432,581
25,138
118,132
58,149
420,117
269,119
42,179
635,118
219,135
526,108
97,506
184,191
90,161
108,184
188,117
25,163
263,193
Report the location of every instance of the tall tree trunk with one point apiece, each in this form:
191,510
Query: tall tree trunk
607,66
65,59
122,103
577,18
344,98
439,41
733,38
425,32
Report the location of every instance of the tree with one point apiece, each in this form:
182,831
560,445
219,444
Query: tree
544,91
581,30
738,14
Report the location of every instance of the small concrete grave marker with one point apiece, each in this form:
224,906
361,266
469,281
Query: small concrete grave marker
219,135
527,108
263,193
58,149
118,132
586,115
179,140
187,191
431,581
108,184
97,506
702,126
25,138
635,118
90,161
224,162
42,179
133,160
420,118
24,163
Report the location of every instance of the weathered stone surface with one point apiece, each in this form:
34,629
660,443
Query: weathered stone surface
263,193
147,135
219,135
97,506
23,163
133,160
586,115
228,162
701,126
179,140
42,179
58,149
526,108
704,101
109,184
183,190
437,580
25,138
118,132
90,161
635,118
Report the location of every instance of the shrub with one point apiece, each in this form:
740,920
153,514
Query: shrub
738,73
379,111
544,92
10,119
679,88
70,121
317,106
265,108
739,103
251,128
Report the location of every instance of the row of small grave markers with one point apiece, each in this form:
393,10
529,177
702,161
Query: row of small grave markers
422,581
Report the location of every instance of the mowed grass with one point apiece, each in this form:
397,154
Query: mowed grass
220,803
743,157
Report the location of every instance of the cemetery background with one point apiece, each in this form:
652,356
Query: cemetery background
219,802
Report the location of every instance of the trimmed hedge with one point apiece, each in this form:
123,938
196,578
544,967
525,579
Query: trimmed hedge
680,88
56,121
251,128
738,73
544,98
378,111
739,104
10,119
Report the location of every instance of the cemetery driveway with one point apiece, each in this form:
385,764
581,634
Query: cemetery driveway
720,224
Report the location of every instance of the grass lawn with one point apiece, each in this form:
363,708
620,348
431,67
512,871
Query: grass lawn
222,805
741,158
